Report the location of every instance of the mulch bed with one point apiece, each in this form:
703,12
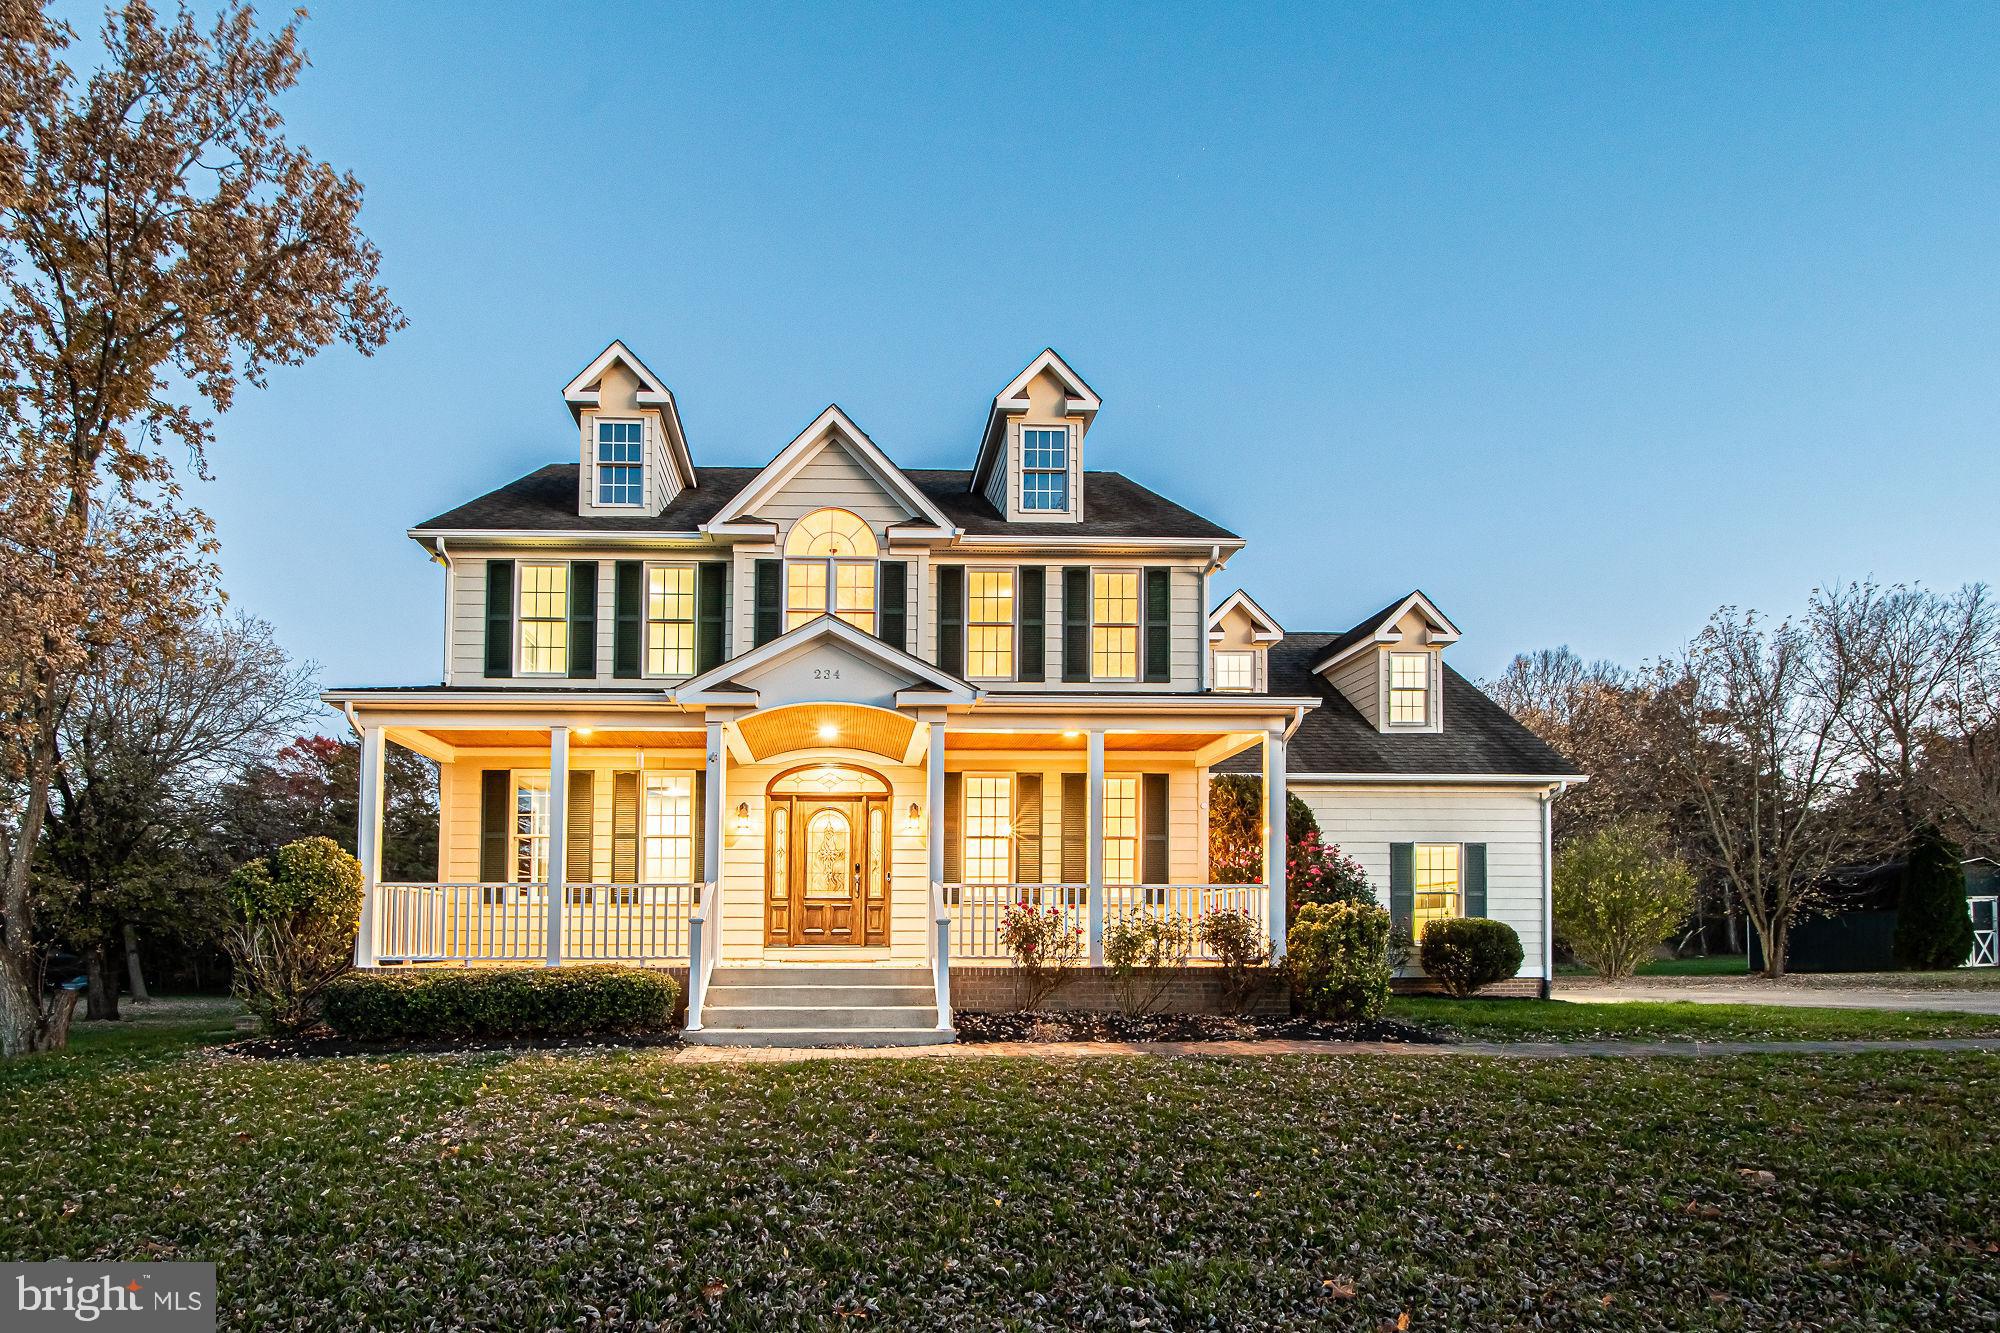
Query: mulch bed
324,1042
1072,1025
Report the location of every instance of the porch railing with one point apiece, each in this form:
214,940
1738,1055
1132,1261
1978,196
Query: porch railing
494,923
977,910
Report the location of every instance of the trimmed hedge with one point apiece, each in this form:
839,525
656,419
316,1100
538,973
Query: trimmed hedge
1338,957
1463,953
501,1003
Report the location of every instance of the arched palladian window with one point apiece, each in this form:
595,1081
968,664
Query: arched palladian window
830,549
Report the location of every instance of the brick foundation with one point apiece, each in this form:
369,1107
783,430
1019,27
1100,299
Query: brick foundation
1514,988
1193,990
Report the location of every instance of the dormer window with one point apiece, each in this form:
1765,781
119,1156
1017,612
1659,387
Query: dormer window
1236,670
1409,689
830,551
1045,468
621,467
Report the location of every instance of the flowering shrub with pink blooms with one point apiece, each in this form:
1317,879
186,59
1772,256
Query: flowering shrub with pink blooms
1044,945
1316,871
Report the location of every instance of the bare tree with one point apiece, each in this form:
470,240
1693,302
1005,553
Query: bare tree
1765,746
149,739
158,234
1911,662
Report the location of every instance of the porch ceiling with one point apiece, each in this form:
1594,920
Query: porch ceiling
1172,741
524,739
780,731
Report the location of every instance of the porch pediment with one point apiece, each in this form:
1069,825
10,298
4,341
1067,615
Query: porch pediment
825,660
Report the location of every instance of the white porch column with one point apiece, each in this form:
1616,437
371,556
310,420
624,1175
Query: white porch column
934,823
1094,842
558,835
1548,893
368,842
1274,835
715,802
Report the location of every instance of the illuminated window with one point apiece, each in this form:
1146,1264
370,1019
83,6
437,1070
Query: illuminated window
1114,625
1236,671
989,832
830,549
781,851
1435,893
670,620
990,623
531,829
544,620
1121,830
1409,689
1045,468
620,463
668,829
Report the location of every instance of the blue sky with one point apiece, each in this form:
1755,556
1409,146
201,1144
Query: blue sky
1585,319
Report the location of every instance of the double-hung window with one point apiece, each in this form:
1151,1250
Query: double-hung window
621,467
670,620
531,829
1436,892
1409,689
544,620
830,567
1045,468
1235,670
1121,829
989,644
667,827
1114,624
989,829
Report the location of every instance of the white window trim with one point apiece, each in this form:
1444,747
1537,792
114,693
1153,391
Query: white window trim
1431,673
523,780
1215,669
1138,838
647,781
521,621
646,617
965,826
597,465
1458,888
1066,470
1013,623
1137,623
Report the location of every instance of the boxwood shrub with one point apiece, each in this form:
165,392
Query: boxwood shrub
501,1003
1337,955
1467,952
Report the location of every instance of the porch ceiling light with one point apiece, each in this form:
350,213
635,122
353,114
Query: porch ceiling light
1071,735
828,731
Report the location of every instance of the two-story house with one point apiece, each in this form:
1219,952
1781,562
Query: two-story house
837,712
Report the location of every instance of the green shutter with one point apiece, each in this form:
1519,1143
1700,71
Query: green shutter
698,825
1027,820
1075,828
1076,623
711,596
892,598
1153,828
1402,884
496,822
625,828
768,620
1159,625
951,619
954,827
628,629
582,619
1474,870
580,828
499,618
1030,623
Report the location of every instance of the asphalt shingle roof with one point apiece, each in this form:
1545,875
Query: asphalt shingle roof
545,501
1480,738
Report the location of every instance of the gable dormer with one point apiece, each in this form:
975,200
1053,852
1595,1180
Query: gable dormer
1391,666
1240,635
1030,463
634,455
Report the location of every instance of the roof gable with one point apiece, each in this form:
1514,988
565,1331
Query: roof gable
832,428
782,672
1264,628
1382,629
1079,399
583,393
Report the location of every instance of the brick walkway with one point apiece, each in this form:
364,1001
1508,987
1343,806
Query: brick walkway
1518,1050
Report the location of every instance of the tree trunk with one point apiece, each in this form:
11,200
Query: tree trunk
103,987
132,969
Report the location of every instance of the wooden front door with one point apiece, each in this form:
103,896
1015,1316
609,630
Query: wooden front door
825,881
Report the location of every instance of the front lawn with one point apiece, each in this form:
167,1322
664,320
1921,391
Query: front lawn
1681,1020
598,1189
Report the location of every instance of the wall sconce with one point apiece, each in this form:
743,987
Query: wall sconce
911,826
742,818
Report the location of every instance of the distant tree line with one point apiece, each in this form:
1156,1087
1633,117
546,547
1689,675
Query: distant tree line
1770,754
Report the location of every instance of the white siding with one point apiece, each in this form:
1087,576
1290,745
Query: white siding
1360,679
833,478
1364,819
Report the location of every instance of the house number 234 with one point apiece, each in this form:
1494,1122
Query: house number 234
826,673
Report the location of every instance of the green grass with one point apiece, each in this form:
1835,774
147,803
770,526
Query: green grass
598,1189
1563,1020
1720,965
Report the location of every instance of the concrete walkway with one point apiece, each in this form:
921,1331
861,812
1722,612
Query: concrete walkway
1516,1050
1702,990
